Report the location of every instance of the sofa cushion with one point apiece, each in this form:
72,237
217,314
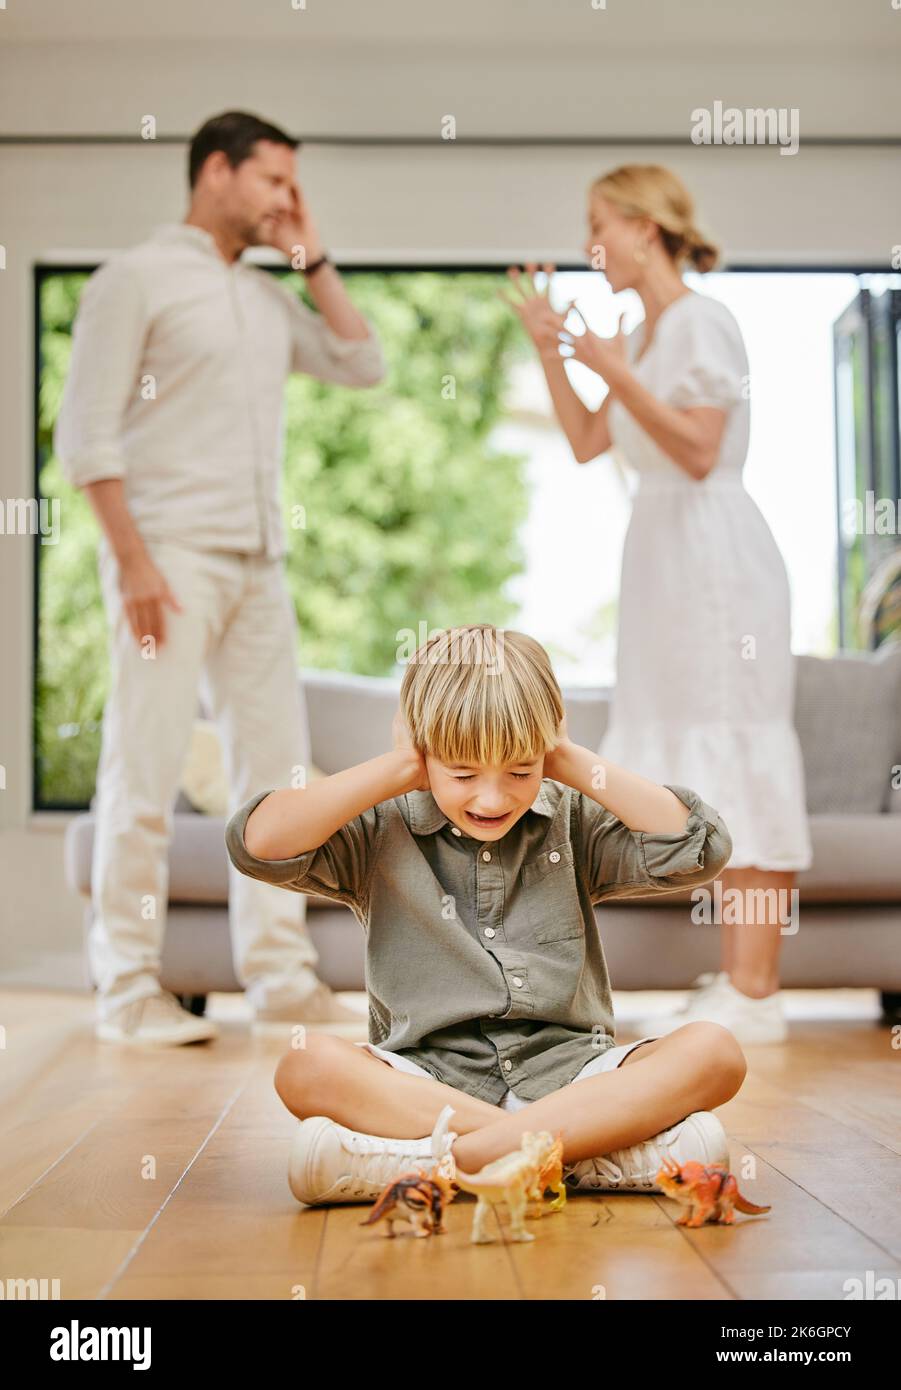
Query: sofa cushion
848,722
856,859
203,780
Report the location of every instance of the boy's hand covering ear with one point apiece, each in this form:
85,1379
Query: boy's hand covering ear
403,743
551,758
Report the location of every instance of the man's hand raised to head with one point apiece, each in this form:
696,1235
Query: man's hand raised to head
295,232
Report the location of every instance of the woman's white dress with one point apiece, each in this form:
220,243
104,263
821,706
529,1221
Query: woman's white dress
705,674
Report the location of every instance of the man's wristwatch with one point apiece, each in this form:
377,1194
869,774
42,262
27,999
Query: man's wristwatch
323,260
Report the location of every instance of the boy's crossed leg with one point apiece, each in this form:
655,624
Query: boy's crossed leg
696,1067
332,1076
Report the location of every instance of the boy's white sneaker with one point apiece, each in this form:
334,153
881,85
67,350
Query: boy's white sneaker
331,1163
157,1020
700,1136
749,1020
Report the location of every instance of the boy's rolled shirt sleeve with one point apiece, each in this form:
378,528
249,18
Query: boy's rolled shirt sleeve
339,869
624,863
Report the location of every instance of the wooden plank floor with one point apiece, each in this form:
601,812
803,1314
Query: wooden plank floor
132,1175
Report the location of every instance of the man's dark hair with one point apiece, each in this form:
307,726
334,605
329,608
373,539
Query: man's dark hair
235,132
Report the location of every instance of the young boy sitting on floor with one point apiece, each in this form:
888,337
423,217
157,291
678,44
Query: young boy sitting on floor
472,855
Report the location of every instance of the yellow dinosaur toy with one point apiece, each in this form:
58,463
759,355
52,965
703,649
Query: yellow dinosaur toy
517,1178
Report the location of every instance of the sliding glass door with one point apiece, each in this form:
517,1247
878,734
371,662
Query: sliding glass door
868,477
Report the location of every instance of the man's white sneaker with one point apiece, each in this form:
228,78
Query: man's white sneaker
749,1020
157,1020
331,1163
700,1136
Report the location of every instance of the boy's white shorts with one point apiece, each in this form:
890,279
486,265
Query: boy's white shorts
606,1061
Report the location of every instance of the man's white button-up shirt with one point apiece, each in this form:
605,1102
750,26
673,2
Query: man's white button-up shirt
176,385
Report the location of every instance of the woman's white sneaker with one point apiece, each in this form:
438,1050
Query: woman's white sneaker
156,1020
700,1136
749,1020
331,1163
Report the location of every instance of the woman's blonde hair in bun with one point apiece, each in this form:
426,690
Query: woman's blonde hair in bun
653,191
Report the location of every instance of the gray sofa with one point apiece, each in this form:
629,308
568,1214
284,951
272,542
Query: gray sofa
848,717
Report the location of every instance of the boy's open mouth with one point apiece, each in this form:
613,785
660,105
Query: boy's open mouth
488,820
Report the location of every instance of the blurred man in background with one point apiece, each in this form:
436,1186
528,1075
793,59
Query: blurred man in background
171,422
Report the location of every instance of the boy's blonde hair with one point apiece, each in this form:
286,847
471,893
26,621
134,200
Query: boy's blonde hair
481,695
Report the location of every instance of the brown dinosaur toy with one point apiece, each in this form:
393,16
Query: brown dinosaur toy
419,1198
711,1194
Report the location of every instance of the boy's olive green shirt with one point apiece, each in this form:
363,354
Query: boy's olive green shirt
484,961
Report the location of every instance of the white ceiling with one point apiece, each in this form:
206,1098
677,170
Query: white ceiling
802,25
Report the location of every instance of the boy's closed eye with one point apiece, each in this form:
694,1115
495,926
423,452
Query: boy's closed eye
468,776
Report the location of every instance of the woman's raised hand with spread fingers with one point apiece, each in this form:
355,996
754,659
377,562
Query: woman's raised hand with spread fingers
603,355
533,307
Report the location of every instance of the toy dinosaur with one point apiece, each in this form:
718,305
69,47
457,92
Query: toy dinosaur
419,1198
711,1194
516,1178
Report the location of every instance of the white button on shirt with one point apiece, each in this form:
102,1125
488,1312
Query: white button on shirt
176,385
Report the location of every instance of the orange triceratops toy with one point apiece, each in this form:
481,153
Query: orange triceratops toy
711,1194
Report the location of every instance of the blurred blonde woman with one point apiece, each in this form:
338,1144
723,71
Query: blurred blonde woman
705,675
